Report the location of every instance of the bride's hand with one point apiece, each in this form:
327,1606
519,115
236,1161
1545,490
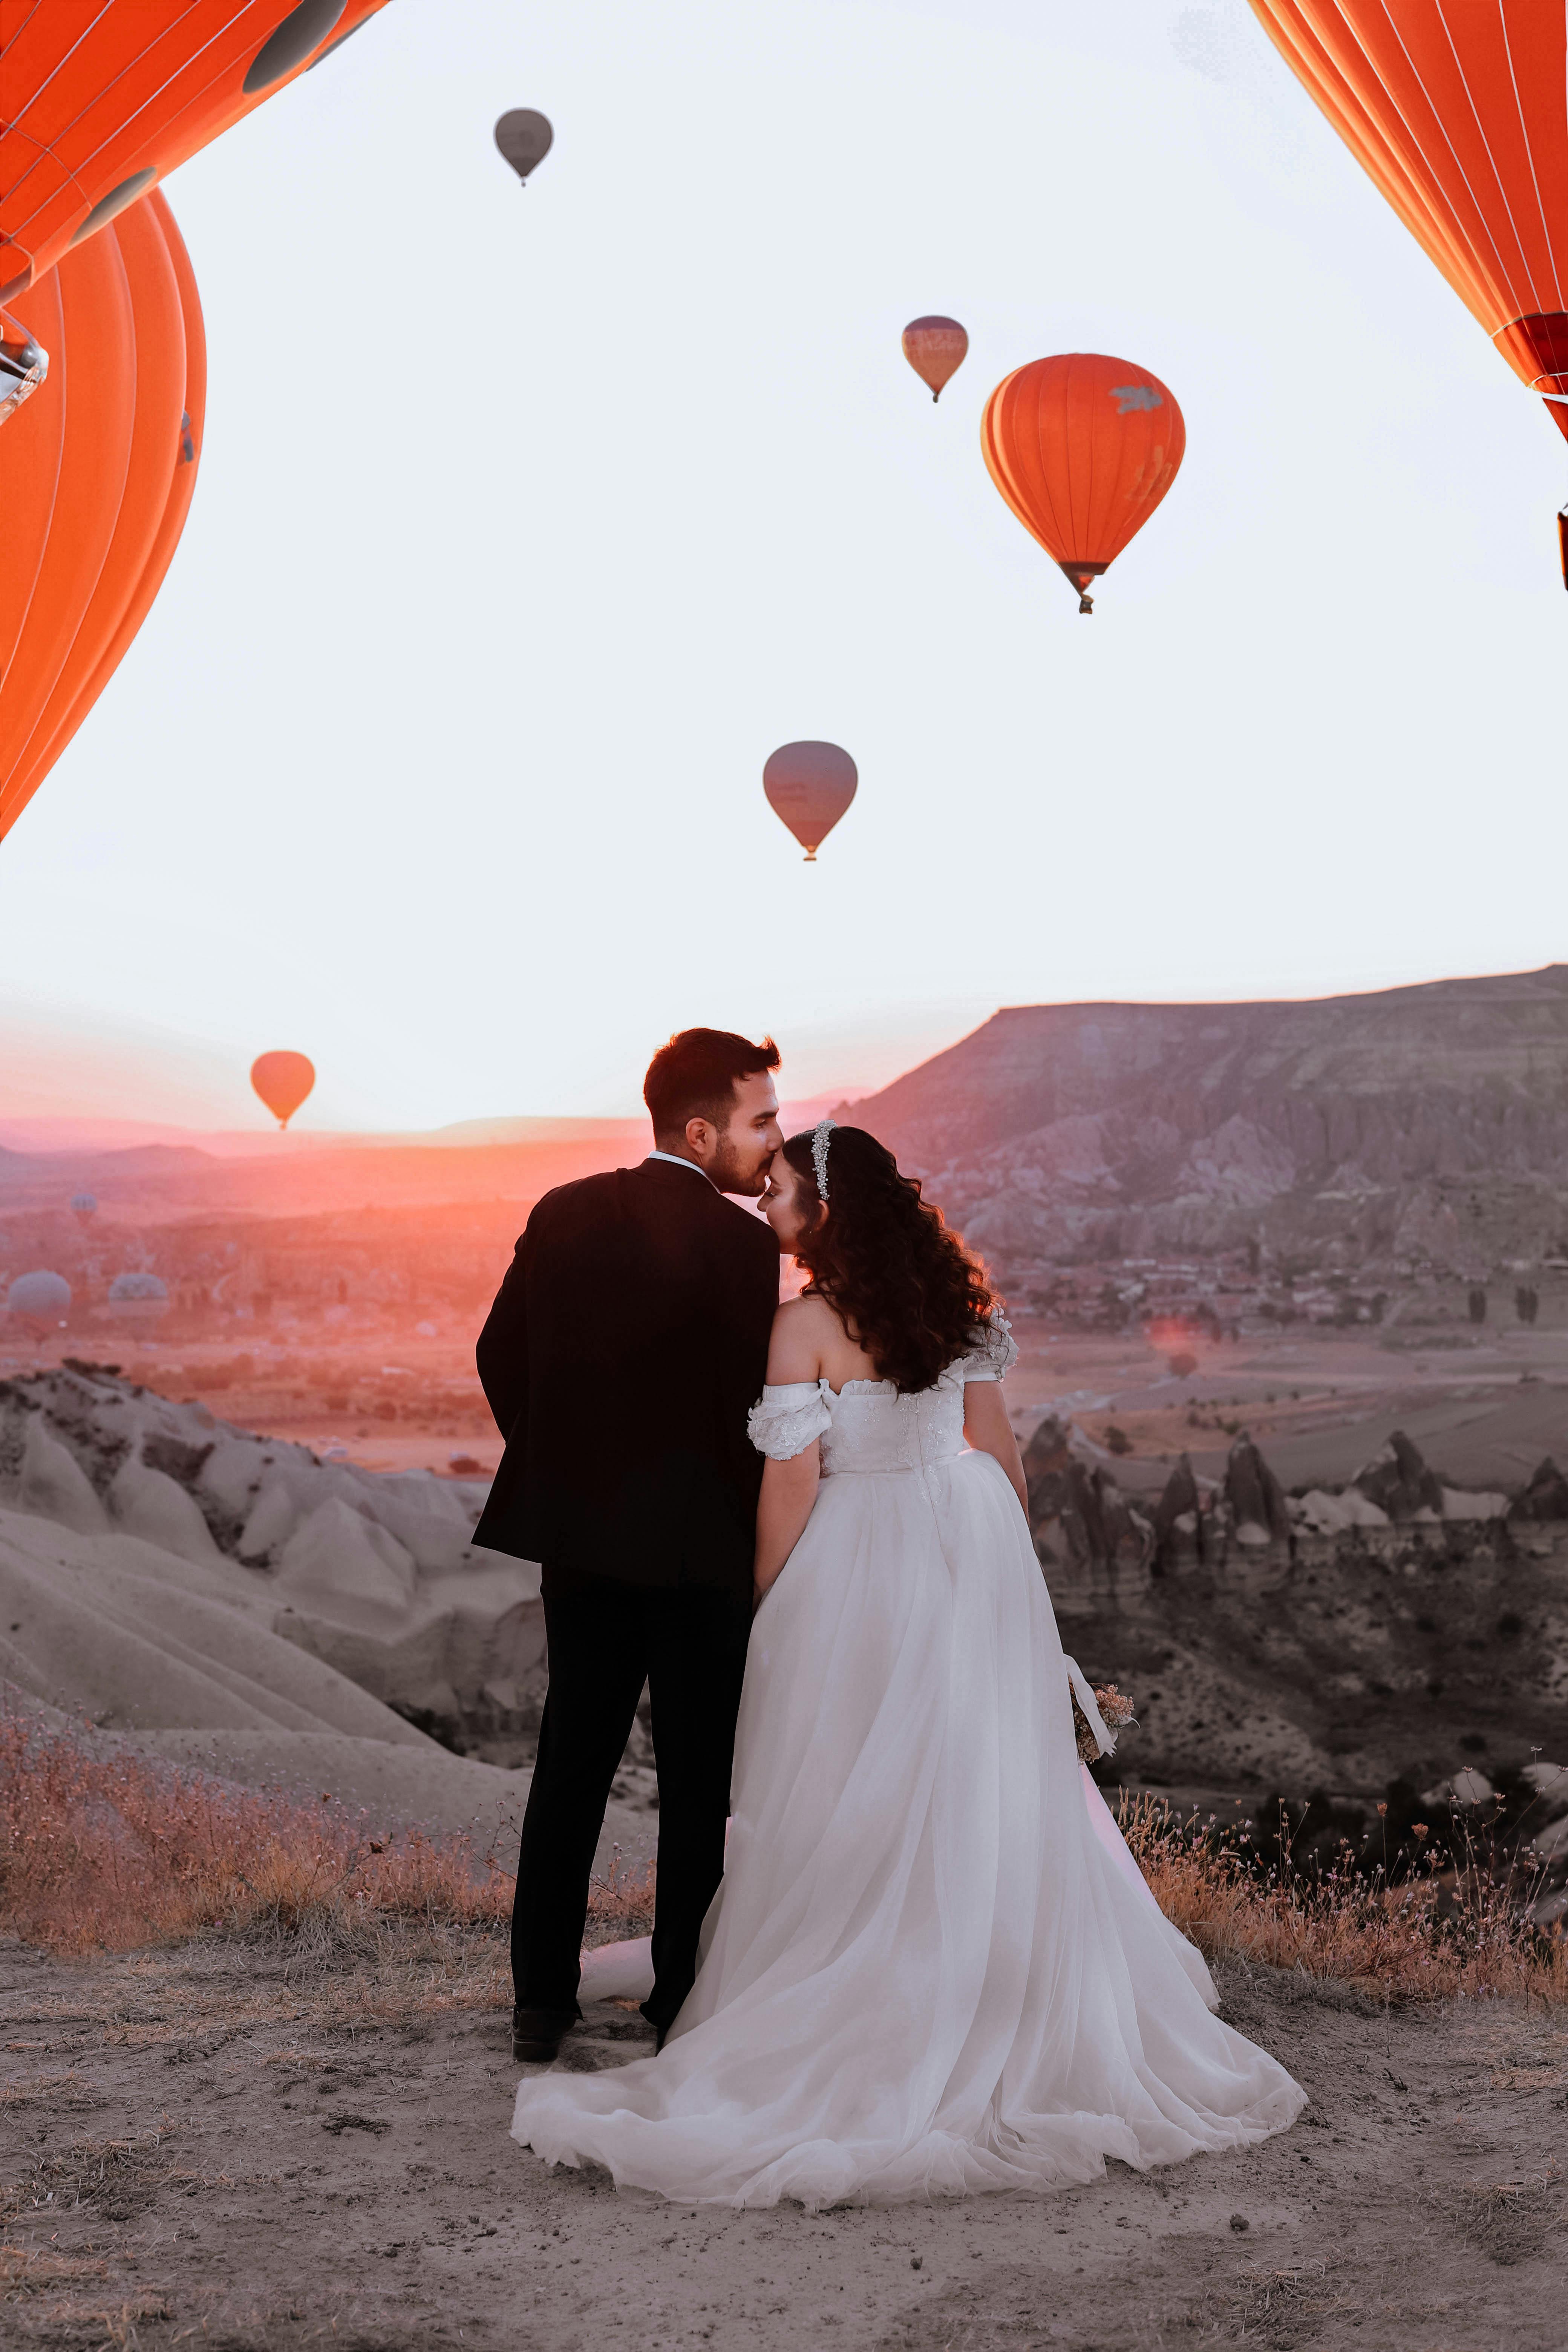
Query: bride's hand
784,1506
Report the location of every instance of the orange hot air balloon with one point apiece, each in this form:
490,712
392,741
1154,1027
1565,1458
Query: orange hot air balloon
935,348
282,1080
1083,448
101,98
96,477
1457,115
810,785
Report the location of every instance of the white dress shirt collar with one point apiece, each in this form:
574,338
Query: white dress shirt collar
676,1161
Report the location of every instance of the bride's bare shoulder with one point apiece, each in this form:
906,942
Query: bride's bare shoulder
803,1331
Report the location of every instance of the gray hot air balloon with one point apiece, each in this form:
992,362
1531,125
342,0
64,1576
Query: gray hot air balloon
524,138
138,1298
84,1208
810,785
41,1296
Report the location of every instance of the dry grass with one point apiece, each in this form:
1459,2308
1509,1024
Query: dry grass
102,2172
621,1903
1510,2220
1411,1941
109,1852
30,2270
106,1853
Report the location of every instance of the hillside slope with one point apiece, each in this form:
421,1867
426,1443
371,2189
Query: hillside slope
1424,1124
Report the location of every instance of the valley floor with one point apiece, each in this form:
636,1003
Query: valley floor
253,2147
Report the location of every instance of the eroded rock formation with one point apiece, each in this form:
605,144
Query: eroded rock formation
1424,1123
1079,1515
375,1573
1254,1497
1545,1497
1399,1482
1317,1641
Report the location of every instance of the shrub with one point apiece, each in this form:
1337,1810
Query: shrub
1449,1928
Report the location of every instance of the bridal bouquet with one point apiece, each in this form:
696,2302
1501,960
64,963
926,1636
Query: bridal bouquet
1116,1710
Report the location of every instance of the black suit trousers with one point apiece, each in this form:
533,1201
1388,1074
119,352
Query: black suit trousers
689,1643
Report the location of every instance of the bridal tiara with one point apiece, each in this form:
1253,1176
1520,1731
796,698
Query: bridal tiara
819,1135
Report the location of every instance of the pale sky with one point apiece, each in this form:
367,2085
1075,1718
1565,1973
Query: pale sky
531,521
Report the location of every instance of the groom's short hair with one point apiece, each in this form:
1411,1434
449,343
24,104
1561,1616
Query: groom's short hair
696,1075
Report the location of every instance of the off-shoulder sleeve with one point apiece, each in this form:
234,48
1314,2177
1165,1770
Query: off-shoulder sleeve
786,1418
995,1350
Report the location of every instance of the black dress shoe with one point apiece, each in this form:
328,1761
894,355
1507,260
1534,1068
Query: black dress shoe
537,2034
660,2028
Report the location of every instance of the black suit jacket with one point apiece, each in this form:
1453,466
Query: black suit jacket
624,1352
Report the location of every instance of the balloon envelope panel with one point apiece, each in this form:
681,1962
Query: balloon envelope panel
103,97
96,476
1457,115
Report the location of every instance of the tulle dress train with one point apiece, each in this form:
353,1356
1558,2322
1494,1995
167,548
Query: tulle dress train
933,1967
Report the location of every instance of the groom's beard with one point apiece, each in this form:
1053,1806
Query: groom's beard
732,1173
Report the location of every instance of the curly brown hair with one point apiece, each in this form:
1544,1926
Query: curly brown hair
908,1290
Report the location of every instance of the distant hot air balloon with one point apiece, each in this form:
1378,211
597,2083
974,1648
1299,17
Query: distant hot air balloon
102,98
935,348
138,1298
524,138
84,1208
96,477
1083,448
1458,116
810,785
40,1296
282,1080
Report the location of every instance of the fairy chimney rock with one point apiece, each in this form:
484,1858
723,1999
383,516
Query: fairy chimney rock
1398,1481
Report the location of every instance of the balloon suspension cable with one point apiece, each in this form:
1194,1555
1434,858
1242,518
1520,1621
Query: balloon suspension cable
1562,541
810,857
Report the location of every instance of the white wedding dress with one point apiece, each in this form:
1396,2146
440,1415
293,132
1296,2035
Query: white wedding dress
933,1967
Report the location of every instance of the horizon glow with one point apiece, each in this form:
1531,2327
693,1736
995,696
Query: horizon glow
530,523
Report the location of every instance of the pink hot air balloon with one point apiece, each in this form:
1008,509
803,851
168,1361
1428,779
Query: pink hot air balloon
282,1080
810,785
935,348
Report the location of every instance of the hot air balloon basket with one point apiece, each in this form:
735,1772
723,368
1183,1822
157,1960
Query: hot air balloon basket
1116,1710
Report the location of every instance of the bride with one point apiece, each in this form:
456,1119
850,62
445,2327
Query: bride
933,1967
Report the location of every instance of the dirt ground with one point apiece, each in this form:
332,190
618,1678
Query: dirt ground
239,2148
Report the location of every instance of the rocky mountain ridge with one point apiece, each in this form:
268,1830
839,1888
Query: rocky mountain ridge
1415,1126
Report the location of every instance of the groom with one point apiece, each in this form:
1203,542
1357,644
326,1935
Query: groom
627,1346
